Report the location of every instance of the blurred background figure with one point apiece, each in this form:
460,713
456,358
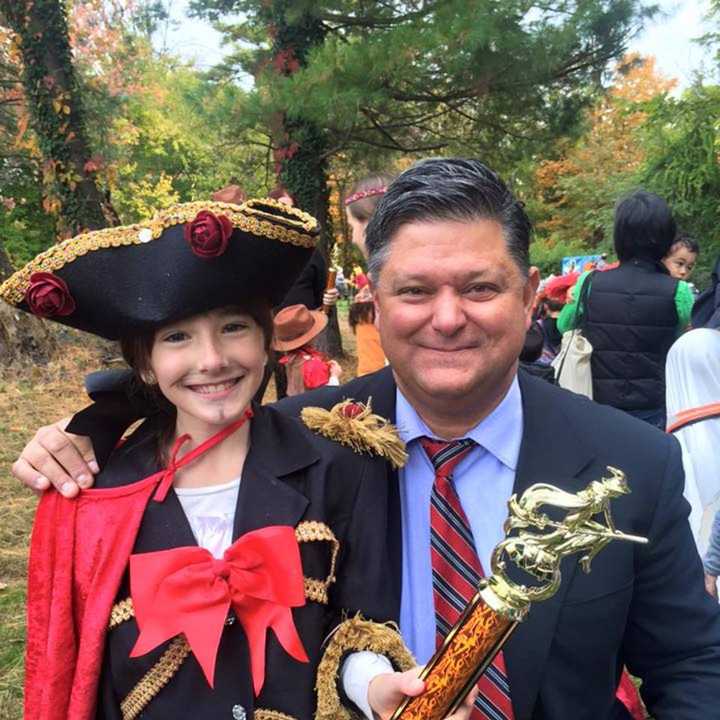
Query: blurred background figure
693,409
232,193
634,312
706,311
360,204
680,260
280,193
370,355
306,367
359,207
552,300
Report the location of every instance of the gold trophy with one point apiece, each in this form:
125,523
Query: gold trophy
536,544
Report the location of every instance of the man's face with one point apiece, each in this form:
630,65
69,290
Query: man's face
453,309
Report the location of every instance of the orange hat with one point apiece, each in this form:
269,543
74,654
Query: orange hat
295,326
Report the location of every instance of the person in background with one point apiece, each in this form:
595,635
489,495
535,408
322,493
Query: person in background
553,299
306,367
232,193
370,355
281,194
310,290
361,203
692,380
706,310
634,312
359,207
682,256
711,561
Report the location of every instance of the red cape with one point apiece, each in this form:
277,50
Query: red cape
78,554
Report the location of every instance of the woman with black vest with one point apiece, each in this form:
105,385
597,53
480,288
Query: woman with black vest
632,314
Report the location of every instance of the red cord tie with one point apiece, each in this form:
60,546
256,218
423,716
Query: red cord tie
168,476
186,590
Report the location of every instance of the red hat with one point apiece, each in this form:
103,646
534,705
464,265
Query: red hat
295,326
556,288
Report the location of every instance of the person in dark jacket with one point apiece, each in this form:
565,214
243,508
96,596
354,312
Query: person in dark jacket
633,313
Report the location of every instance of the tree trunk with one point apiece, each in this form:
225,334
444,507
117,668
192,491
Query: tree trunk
55,107
300,146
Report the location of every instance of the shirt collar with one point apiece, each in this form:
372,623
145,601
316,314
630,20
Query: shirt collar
500,433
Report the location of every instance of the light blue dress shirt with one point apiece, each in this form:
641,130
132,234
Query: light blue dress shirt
483,480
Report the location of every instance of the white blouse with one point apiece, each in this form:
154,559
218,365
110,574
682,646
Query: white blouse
210,511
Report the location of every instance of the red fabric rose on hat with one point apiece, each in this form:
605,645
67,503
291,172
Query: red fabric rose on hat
208,234
49,296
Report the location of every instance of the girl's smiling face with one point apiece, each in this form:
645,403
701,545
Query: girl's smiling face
209,367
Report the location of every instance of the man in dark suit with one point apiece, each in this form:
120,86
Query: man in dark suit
448,258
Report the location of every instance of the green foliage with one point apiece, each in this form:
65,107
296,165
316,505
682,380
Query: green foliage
55,108
497,80
25,230
682,137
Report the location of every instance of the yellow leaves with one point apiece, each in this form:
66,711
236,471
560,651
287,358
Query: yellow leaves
51,204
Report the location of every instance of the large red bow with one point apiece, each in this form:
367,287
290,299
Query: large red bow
186,590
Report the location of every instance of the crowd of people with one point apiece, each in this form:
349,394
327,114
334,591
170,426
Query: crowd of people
146,560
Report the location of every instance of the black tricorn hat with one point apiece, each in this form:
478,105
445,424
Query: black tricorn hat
188,259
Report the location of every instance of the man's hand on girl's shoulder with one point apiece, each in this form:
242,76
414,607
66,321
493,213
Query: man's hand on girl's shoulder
57,458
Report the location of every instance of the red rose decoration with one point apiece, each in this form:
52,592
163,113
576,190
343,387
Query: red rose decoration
48,295
208,234
352,410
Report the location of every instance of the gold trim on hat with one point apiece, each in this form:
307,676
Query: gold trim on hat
294,227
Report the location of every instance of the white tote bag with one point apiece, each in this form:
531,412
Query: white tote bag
572,364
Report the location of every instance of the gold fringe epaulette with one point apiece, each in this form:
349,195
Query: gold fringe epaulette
355,635
354,424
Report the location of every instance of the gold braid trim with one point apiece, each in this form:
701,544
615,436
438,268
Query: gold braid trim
292,226
155,679
354,424
121,612
313,531
263,714
355,635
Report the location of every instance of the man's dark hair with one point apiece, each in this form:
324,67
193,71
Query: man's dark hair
447,189
644,227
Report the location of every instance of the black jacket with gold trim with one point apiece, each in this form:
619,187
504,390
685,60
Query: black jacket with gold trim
291,477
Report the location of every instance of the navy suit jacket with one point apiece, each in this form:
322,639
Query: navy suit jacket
641,606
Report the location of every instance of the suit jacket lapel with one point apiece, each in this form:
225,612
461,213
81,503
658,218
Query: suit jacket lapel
380,390
383,395
552,452
277,450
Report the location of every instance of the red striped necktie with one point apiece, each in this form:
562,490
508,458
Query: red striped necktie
456,570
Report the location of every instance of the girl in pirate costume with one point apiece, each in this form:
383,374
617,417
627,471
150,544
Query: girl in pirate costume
222,542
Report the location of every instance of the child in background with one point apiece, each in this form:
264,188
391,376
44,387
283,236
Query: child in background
359,207
680,261
306,367
370,354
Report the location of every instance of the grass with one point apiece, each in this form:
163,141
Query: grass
29,397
